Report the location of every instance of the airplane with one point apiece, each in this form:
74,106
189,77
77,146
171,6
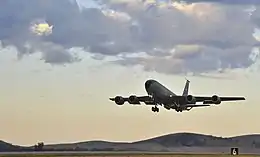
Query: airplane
158,94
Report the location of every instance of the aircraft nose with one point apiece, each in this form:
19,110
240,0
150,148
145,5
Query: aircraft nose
148,84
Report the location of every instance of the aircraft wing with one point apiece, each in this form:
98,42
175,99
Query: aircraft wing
207,98
133,100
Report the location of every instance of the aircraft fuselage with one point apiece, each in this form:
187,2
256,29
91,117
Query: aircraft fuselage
161,95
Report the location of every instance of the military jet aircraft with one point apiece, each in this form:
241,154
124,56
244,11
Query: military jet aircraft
158,94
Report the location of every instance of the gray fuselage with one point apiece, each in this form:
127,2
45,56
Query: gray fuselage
159,92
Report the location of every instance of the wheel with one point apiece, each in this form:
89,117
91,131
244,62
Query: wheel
155,109
178,110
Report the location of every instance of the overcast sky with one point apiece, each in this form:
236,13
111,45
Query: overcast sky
55,88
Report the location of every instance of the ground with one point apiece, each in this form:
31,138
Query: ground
23,154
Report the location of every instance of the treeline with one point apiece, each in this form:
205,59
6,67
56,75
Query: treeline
40,147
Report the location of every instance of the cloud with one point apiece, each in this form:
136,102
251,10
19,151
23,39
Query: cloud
212,37
223,1
175,37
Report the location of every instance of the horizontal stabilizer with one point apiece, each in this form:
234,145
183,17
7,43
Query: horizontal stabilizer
112,99
195,105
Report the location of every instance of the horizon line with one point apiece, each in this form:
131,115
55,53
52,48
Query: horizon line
100,140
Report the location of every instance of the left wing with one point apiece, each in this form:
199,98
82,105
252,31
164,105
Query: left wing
119,100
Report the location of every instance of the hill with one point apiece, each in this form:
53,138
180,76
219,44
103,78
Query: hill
171,142
200,140
4,146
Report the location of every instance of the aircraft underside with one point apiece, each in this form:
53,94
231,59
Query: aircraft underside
176,107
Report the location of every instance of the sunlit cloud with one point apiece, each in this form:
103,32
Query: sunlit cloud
41,28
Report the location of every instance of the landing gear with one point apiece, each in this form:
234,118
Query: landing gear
177,107
155,109
178,110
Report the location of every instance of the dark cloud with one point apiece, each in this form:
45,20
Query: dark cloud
72,28
222,34
197,61
55,54
16,18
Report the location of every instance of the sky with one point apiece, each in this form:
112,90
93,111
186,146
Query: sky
55,86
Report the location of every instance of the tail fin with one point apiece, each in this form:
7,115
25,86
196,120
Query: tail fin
186,88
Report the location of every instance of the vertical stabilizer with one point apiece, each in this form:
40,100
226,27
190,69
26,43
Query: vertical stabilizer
186,88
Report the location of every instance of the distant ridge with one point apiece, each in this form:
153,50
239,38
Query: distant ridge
171,142
4,146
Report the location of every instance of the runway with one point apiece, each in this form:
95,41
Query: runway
93,153
119,153
97,153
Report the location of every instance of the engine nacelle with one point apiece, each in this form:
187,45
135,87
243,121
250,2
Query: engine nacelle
119,100
133,99
215,99
191,99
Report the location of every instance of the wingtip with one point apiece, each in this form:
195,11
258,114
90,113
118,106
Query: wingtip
242,98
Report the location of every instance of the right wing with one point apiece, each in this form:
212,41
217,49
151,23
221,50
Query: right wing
204,99
209,99
120,100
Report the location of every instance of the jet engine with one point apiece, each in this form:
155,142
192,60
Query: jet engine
191,99
119,100
215,99
133,100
